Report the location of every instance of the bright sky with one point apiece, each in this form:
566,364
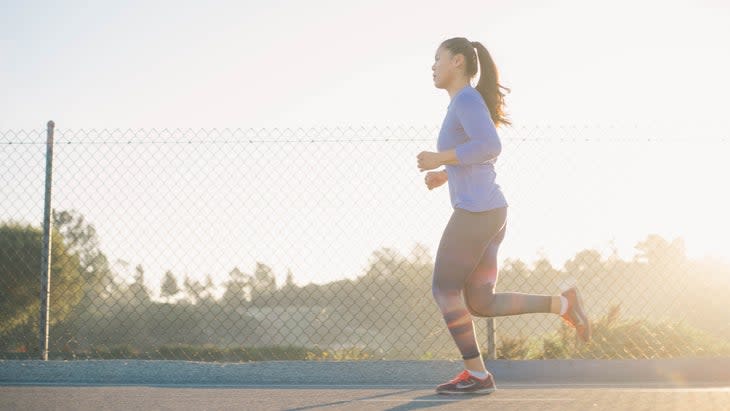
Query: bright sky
279,64
241,64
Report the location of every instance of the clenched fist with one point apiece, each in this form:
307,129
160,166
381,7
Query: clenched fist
428,160
435,179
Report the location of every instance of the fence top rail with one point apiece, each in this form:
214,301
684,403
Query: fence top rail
357,134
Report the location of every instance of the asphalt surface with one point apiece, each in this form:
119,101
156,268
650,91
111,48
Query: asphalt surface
679,384
337,398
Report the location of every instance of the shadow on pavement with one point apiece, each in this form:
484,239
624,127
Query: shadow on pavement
350,400
432,400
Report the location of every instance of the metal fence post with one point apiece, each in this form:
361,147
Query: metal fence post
46,252
491,340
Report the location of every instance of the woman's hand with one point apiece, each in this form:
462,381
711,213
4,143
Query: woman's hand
435,179
428,160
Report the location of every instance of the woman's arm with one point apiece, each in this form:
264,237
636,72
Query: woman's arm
483,144
448,157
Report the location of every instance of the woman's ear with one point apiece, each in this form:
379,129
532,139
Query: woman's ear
457,60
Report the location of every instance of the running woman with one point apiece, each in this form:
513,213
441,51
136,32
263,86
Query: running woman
465,269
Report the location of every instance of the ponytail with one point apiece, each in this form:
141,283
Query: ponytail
489,86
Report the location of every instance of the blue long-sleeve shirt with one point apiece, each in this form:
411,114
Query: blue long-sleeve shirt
468,127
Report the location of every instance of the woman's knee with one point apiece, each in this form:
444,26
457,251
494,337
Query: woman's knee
448,281
446,298
480,299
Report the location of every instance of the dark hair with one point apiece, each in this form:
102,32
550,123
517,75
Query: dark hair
488,85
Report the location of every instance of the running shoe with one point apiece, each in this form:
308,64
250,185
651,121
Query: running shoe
574,316
466,383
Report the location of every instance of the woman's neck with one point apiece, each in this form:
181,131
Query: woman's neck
456,86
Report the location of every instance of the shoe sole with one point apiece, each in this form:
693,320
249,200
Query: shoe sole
478,392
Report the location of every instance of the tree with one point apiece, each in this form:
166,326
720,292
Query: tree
208,289
139,292
420,255
169,287
384,263
515,268
544,268
20,270
289,282
657,251
586,262
82,241
238,288
545,271
264,283
196,290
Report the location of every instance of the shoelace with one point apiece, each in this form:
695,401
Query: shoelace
461,377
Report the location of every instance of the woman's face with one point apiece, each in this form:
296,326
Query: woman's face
445,68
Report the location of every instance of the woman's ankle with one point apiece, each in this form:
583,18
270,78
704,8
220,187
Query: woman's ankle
475,364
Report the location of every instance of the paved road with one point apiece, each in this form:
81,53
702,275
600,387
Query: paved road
672,384
353,398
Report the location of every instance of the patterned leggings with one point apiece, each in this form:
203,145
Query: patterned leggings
465,275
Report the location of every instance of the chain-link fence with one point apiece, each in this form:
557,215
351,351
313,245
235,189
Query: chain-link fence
318,243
